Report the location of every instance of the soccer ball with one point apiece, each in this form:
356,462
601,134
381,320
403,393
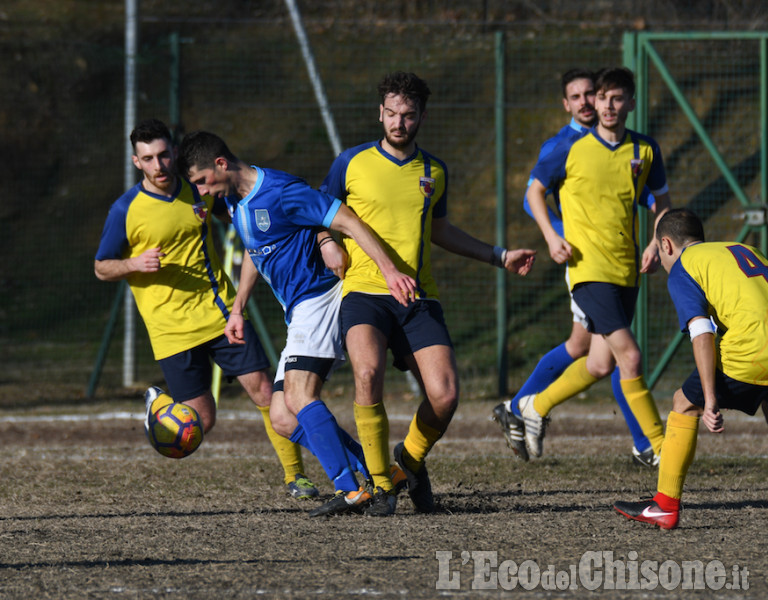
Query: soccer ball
175,430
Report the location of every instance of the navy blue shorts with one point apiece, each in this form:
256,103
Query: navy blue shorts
190,373
608,307
407,329
730,393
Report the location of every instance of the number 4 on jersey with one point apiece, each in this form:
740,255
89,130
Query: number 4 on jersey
748,262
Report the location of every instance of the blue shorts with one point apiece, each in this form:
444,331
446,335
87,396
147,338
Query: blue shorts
730,393
189,374
407,329
607,306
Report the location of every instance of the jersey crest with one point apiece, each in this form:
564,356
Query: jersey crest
263,221
637,166
201,211
427,186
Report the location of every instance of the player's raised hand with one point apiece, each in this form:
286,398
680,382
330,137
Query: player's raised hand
234,329
148,261
519,261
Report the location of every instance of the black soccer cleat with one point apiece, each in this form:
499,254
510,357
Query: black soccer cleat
512,428
419,486
648,511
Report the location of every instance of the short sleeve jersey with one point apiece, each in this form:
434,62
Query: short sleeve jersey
278,222
397,200
185,303
599,187
729,283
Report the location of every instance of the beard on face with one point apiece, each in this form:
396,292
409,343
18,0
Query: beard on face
401,144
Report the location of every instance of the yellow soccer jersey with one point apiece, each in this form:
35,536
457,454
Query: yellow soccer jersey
397,200
728,282
187,301
599,186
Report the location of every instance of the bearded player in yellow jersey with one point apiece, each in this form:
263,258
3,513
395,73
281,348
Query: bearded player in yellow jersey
400,191
599,178
727,283
157,236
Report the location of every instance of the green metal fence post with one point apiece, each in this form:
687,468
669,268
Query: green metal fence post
502,357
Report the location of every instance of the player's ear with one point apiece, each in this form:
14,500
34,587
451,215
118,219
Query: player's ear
666,246
632,104
136,162
381,113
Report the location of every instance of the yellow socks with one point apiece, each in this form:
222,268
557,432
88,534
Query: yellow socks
419,441
575,379
640,401
677,453
288,453
373,431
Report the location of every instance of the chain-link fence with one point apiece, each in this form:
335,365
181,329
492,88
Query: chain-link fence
235,68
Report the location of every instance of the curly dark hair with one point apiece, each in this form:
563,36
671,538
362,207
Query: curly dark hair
407,85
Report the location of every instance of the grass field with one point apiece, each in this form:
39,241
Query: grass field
89,510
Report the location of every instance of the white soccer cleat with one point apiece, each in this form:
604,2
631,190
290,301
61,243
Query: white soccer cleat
535,425
152,393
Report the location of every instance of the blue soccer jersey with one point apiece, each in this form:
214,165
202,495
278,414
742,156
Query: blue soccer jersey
278,223
729,283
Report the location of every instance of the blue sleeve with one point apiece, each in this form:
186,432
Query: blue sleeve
657,177
335,183
550,169
646,199
688,297
306,206
113,237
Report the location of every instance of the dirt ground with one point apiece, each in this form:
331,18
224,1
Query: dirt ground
89,510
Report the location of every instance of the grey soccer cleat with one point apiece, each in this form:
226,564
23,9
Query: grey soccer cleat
535,425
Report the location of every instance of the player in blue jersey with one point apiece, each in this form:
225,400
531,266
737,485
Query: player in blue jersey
277,217
599,179
401,192
578,88
157,237
727,283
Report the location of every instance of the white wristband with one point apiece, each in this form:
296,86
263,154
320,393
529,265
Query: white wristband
700,327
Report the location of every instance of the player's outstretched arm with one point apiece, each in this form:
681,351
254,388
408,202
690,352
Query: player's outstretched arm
704,355
454,239
119,268
236,321
559,249
401,286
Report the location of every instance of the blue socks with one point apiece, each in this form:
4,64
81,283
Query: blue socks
641,442
549,368
333,447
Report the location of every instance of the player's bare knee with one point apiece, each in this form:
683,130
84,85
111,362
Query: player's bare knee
681,404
